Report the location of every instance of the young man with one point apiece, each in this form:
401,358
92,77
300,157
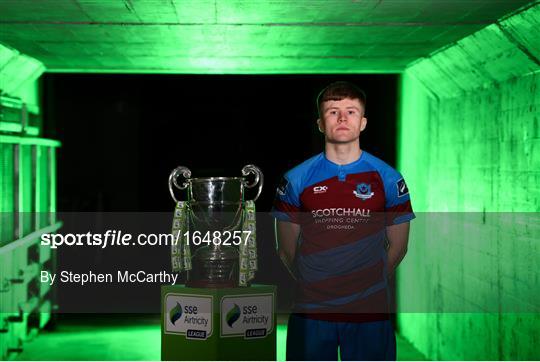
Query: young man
342,228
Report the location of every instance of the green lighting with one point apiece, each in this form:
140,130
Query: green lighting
281,342
468,286
52,181
7,185
96,342
18,75
110,341
29,141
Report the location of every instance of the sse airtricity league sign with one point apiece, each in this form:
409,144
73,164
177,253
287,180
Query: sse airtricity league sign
249,316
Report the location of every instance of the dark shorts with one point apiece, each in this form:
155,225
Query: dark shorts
311,339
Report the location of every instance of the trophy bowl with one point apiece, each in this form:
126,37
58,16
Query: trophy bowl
215,205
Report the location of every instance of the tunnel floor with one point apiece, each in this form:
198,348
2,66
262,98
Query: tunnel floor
130,338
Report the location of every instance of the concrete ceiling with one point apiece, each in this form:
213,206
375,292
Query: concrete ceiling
231,36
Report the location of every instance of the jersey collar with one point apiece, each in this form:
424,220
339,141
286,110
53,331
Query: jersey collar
342,170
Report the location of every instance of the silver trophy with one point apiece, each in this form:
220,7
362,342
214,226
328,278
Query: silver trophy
215,204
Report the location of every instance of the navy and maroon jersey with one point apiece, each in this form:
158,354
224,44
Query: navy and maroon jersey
343,211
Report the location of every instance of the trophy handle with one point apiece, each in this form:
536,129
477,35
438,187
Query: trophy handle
259,178
173,180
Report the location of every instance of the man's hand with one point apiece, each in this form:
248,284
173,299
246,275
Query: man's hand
287,234
398,238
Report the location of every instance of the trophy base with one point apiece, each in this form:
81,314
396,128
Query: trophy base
211,284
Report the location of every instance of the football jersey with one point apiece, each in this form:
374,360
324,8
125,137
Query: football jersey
343,211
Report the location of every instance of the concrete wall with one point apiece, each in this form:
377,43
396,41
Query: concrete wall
19,76
470,147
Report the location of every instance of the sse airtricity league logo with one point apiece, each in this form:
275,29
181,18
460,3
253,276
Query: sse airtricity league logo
363,191
233,315
175,313
402,188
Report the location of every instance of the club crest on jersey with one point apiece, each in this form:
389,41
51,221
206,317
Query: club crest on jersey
363,191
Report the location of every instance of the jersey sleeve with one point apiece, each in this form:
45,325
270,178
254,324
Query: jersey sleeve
398,207
286,205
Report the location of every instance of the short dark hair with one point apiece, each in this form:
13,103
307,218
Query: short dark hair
340,90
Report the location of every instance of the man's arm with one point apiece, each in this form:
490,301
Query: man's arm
287,234
398,237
